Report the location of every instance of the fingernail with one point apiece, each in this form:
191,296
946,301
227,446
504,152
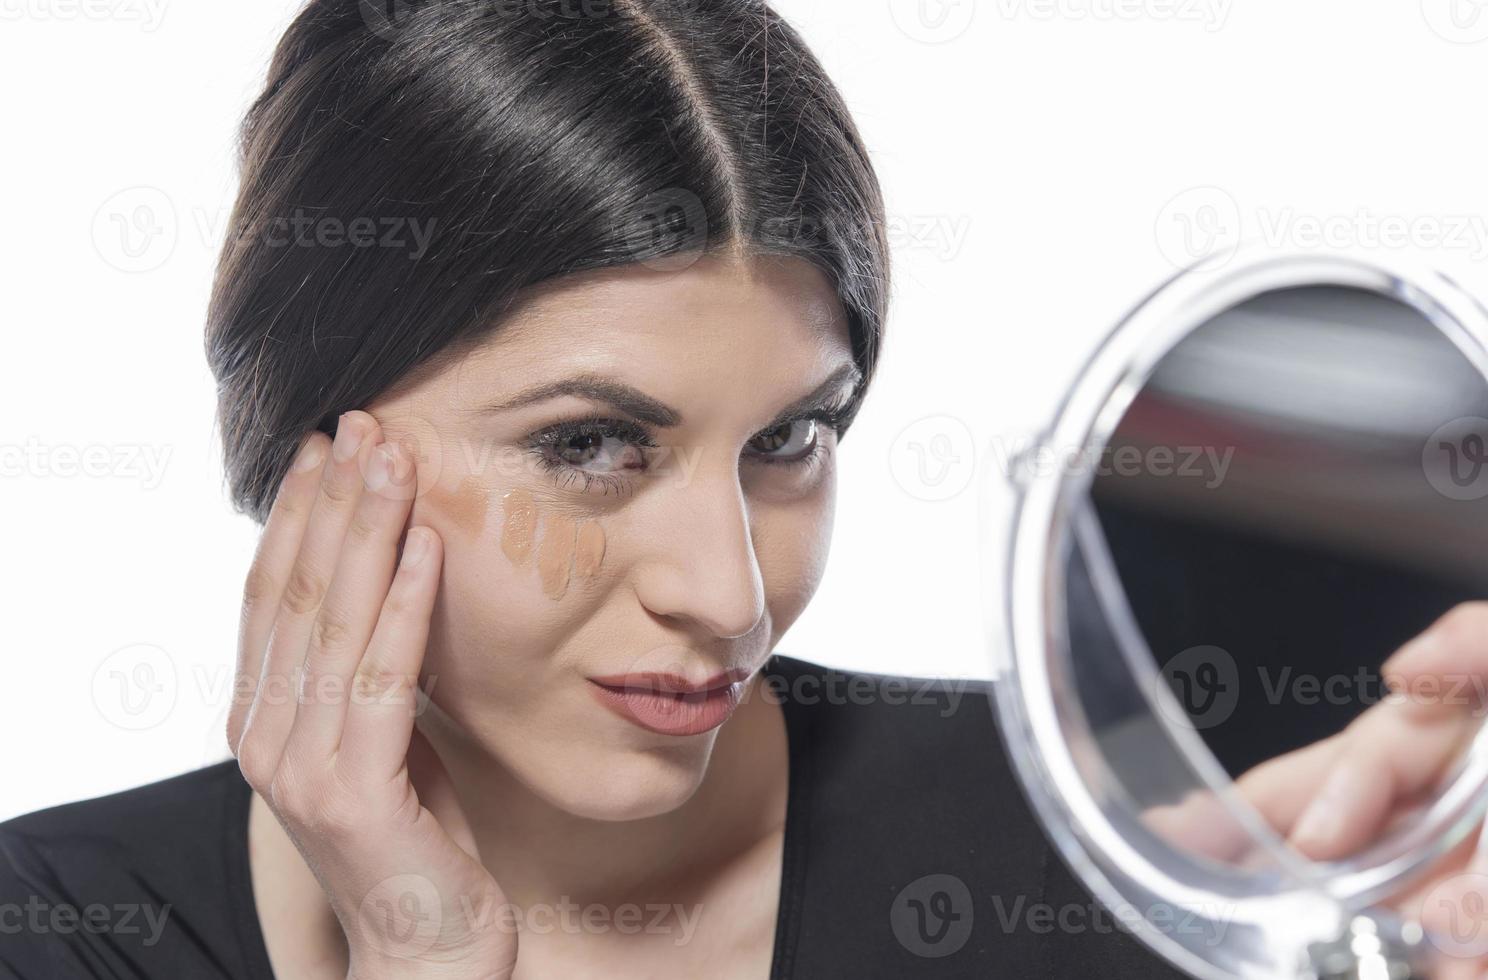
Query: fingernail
415,545
402,463
311,454
379,468
348,439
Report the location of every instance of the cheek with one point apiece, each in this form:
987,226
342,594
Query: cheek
791,546
517,571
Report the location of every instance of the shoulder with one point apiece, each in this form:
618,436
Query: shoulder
102,885
135,809
158,823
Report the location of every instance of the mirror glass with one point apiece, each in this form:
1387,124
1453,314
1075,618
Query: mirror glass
1298,490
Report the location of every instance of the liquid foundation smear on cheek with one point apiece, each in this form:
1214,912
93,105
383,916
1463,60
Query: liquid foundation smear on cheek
566,550
466,506
589,549
519,526
555,554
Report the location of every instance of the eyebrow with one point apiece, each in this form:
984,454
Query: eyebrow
644,408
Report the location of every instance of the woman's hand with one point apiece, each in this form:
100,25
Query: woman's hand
331,645
1332,798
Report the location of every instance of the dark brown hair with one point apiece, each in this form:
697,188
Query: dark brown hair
410,166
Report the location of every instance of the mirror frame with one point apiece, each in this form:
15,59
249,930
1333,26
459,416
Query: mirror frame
1024,535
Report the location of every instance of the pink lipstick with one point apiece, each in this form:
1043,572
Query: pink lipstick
670,704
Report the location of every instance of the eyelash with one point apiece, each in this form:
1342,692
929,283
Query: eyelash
542,443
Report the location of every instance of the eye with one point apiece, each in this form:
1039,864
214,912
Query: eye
598,451
791,441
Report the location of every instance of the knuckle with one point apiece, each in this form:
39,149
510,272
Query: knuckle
319,806
374,682
363,528
256,765
329,633
290,787
398,605
340,492
290,505
303,591
259,589
285,792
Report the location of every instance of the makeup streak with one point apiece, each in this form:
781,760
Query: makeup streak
467,506
555,553
520,525
589,550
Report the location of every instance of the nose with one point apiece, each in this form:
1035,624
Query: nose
701,566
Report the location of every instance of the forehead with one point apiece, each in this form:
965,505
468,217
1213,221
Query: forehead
705,296
773,321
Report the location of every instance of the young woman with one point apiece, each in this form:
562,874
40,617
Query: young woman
537,334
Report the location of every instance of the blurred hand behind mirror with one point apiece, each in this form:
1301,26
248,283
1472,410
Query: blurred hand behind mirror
1294,511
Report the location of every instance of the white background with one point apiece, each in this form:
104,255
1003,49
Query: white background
1045,163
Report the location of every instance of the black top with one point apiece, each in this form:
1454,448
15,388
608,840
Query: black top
909,852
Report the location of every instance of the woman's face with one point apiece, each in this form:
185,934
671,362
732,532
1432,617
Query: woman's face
632,477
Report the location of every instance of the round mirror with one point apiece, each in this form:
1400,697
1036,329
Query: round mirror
1271,478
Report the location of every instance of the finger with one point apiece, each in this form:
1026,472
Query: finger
1446,667
343,627
1392,754
1200,824
272,561
1401,747
274,705
1281,788
1276,789
380,717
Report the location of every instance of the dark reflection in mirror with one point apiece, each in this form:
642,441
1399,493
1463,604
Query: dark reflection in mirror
1300,489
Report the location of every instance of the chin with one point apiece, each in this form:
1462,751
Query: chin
597,767
618,783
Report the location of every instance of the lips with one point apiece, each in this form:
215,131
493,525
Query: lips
669,703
